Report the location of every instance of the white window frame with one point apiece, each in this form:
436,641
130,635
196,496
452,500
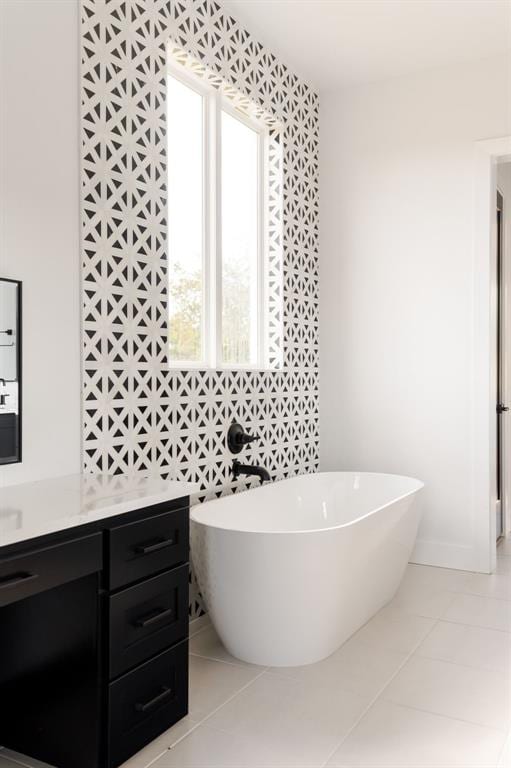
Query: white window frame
215,103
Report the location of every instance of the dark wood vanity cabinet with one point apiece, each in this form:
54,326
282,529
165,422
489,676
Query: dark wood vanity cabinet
94,638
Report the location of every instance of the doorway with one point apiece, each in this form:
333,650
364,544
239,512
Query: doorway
490,157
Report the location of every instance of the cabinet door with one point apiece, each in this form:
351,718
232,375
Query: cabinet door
139,550
147,618
146,702
49,675
29,574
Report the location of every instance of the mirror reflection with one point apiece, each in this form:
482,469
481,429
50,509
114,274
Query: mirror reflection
10,371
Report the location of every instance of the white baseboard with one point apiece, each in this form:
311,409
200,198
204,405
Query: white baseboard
442,555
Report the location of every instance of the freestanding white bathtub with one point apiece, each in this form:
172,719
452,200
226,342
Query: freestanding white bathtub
290,570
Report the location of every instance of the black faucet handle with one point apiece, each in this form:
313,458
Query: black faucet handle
237,438
246,439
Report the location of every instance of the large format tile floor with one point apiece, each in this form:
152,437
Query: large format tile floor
427,682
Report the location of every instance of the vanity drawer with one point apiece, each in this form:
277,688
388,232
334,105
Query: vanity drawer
148,618
138,550
147,701
26,575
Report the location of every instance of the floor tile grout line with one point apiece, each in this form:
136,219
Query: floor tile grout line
154,759
208,716
240,690
223,661
448,717
473,626
17,761
199,631
379,693
455,663
465,590
418,709
484,597
498,672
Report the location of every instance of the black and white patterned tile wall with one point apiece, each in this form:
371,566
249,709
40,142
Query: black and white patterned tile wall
138,413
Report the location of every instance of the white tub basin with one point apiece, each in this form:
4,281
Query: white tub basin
290,570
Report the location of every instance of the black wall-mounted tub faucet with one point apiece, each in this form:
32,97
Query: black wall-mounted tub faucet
246,469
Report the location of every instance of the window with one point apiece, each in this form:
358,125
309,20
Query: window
186,224
216,229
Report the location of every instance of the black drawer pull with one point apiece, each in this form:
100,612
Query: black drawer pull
152,618
146,549
16,579
165,693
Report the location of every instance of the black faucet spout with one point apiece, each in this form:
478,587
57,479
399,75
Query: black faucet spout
246,469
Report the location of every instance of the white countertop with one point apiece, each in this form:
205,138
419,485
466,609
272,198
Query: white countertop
47,506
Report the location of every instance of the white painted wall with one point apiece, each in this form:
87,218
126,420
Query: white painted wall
397,286
39,223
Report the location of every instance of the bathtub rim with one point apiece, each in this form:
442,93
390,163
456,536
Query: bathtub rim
420,485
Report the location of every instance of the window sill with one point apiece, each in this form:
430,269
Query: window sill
204,367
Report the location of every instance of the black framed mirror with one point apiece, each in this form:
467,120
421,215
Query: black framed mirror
10,371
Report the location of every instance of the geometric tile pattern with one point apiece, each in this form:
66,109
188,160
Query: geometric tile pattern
139,414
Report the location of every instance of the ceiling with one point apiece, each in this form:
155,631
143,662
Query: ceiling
339,43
